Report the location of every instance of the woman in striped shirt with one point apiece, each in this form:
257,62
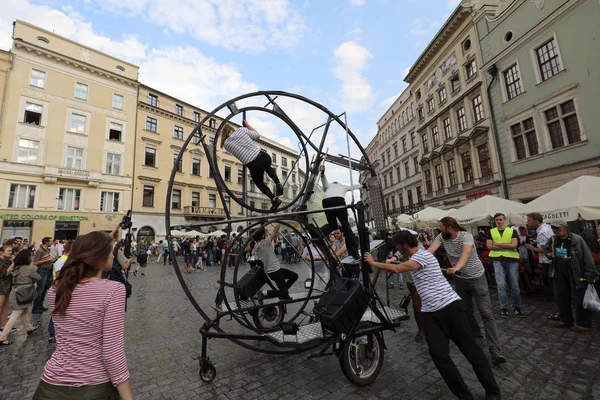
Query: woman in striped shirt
89,315
240,143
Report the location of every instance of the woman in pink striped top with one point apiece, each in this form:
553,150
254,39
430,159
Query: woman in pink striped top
89,316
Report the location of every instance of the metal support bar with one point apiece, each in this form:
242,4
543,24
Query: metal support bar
293,215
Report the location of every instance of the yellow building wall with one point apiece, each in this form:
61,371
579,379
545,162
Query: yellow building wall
66,63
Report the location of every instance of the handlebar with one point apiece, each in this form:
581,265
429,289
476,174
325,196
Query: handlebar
445,272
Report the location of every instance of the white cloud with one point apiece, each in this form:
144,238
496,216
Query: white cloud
356,93
250,26
70,24
355,32
386,103
424,27
192,76
357,2
183,72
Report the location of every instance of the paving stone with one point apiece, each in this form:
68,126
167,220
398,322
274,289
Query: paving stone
163,345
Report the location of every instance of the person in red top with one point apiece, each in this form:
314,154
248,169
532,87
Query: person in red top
89,316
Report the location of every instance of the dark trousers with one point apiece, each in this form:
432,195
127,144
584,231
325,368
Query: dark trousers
104,391
333,216
284,279
165,255
476,291
42,288
452,323
566,295
257,168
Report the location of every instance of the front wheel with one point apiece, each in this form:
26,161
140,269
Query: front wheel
361,358
269,318
208,372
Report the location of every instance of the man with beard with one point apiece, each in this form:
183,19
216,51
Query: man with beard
471,284
444,317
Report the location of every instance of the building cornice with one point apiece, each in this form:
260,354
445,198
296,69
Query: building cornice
151,140
442,37
61,58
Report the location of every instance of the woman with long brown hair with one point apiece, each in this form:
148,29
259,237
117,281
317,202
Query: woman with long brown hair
240,143
89,316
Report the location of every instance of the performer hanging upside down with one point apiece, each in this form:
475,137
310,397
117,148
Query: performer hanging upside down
265,252
241,143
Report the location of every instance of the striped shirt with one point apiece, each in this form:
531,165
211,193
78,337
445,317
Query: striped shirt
241,144
265,252
90,337
454,248
434,290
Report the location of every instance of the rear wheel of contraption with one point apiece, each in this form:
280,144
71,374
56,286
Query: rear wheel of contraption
361,357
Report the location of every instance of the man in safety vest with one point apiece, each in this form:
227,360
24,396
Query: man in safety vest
502,242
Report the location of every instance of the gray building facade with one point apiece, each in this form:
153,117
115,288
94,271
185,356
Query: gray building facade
545,56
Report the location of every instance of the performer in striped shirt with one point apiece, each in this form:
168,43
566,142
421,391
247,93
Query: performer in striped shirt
241,143
89,317
444,317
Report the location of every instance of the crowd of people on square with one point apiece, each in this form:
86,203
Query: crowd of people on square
445,314
86,288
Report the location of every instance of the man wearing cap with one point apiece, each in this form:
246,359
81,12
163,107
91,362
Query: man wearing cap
572,269
502,242
44,261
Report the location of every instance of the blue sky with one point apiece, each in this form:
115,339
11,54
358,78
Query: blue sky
350,55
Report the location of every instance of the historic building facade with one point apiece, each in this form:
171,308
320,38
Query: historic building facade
453,124
544,89
164,123
372,151
67,137
401,177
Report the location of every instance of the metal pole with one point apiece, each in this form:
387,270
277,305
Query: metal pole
349,156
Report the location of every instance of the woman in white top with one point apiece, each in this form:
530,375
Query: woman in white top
241,143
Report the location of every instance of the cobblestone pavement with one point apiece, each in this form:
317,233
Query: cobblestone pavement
163,342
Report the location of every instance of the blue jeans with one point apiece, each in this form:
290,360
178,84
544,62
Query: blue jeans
42,288
501,270
399,278
51,331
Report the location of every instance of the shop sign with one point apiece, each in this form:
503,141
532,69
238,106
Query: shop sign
478,194
564,215
43,217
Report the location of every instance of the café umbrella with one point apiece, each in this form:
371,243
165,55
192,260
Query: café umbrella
579,198
483,209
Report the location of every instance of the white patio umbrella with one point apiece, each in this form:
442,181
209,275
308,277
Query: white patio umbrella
484,208
402,219
217,233
192,233
176,233
429,216
579,197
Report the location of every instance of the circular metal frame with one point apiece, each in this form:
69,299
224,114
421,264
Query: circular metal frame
217,171
197,132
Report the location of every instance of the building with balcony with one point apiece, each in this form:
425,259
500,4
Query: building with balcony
545,91
67,137
164,123
458,156
400,169
372,151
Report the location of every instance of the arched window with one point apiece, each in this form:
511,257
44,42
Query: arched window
412,110
148,232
